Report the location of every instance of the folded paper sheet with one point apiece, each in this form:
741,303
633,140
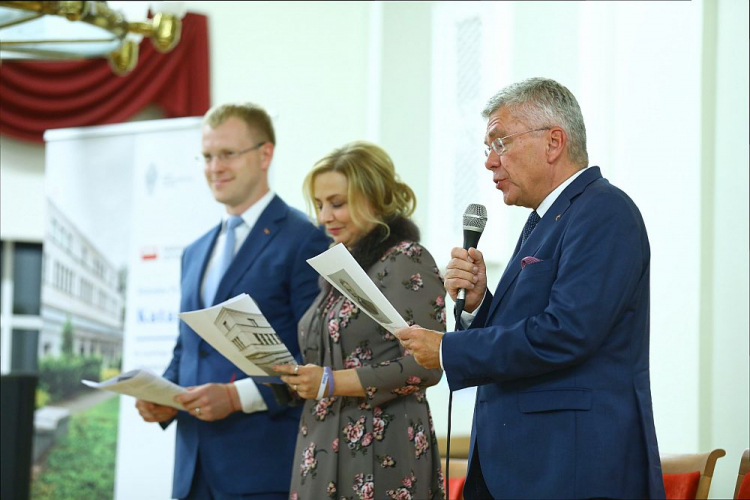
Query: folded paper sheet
340,269
142,384
239,331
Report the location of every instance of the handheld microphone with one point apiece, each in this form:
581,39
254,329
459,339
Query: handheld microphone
475,218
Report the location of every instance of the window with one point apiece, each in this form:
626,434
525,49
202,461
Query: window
2,267
24,351
86,291
27,278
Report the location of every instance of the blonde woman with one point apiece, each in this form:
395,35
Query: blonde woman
366,429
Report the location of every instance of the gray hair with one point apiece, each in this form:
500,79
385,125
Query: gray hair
542,102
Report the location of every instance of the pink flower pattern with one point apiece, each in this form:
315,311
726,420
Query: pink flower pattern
364,486
408,248
438,309
418,437
380,421
356,437
323,408
414,282
309,462
338,321
386,461
370,392
331,490
413,386
361,354
405,492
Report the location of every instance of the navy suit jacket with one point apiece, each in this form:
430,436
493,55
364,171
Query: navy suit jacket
245,453
560,355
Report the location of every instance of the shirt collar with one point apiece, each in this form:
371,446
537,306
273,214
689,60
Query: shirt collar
252,214
552,197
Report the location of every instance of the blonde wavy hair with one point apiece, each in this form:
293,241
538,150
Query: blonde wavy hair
375,193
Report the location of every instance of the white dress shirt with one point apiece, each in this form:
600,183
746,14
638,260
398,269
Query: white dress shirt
250,397
467,317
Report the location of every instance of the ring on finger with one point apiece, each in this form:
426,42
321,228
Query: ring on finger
294,387
197,410
296,369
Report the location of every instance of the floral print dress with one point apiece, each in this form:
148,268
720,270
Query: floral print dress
382,445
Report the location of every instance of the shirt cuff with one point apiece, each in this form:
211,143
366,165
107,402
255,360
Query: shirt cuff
468,317
465,320
440,352
250,397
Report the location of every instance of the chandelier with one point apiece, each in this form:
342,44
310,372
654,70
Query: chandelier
83,30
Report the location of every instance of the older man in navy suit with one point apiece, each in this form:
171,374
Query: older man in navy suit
235,441
559,352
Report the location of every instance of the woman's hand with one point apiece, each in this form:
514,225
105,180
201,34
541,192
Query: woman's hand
305,380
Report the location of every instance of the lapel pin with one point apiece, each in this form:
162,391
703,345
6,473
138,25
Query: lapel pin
558,217
268,231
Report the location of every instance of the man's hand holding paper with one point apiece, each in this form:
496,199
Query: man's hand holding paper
423,344
210,402
154,412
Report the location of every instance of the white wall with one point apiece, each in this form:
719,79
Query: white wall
725,395
21,190
306,63
663,88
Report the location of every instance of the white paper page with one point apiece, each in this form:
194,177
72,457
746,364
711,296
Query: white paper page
142,384
340,269
239,331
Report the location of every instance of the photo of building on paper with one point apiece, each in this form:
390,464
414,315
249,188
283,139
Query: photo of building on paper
254,338
347,283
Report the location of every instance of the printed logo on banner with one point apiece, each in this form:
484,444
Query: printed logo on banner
152,175
146,316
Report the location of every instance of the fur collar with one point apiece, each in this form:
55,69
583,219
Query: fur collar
372,246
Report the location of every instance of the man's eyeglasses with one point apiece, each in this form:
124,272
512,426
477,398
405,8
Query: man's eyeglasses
498,145
228,155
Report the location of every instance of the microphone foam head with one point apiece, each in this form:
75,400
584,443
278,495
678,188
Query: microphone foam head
475,217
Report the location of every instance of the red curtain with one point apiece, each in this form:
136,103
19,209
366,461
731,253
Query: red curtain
36,96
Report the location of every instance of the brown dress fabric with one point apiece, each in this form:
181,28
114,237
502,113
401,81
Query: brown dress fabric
382,445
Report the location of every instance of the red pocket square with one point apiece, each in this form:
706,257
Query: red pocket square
529,260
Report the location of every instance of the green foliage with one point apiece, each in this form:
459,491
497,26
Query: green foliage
67,335
61,377
115,363
108,373
82,465
42,398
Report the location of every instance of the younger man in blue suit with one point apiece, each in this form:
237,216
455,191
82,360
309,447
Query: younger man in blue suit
235,441
560,351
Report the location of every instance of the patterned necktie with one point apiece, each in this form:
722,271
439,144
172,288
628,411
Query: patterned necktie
221,265
531,223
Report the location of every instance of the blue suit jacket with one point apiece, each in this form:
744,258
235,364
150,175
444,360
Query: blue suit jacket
561,357
245,453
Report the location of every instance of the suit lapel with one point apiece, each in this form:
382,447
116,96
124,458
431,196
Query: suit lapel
541,231
203,250
264,231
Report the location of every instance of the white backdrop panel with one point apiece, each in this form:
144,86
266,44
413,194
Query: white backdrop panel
138,190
